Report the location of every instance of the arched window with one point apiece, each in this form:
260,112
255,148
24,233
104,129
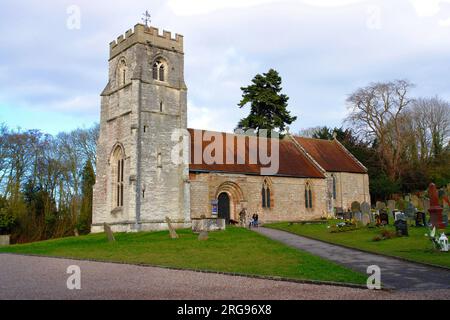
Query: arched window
266,195
118,179
121,73
159,70
308,196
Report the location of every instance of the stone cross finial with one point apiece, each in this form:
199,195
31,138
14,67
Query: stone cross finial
147,18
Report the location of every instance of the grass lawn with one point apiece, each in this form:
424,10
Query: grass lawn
235,250
416,247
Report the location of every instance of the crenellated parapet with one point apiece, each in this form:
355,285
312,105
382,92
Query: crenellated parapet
146,35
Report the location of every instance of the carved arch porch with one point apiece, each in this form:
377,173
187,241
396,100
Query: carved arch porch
237,199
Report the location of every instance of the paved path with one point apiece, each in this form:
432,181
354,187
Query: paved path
395,273
25,277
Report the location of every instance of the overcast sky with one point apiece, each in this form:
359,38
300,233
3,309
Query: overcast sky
51,76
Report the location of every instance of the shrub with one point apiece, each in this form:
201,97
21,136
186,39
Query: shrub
7,222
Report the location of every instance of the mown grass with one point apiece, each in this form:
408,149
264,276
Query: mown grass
235,250
416,247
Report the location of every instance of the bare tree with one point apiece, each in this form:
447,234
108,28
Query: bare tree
431,121
377,113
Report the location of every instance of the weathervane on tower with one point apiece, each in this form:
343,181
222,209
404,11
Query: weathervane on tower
147,18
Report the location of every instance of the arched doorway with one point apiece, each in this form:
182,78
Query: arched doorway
224,207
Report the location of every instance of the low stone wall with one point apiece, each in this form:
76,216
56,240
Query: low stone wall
4,240
212,224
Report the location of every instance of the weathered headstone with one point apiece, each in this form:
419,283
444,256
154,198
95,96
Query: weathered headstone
203,236
173,233
384,217
415,200
421,219
358,216
391,205
445,213
348,215
400,216
365,209
109,232
365,219
356,207
426,205
76,233
401,227
381,205
339,212
410,211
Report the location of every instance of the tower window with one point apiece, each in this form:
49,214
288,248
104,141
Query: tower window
118,171
159,70
161,106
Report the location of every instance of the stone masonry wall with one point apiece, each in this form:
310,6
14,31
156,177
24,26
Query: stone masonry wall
287,196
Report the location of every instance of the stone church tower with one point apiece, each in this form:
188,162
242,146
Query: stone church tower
145,102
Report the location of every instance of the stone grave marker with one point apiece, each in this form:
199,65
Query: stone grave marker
445,214
173,233
381,205
401,227
415,200
203,236
366,211
365,219
391,205
109,232
421,219
410,211
356,207
384,217
358,216
426,205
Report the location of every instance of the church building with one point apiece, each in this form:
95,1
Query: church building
143,130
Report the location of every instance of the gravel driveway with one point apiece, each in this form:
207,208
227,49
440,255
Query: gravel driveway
25,277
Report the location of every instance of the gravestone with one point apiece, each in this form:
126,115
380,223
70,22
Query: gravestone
445,214
348,215
380,205
384,218
109,232
365,219
203,236
421,219
401,227
391,205
339,212
76,233
365,209
415,200
426,205
173,233
358,216
400,216
410,211
356,207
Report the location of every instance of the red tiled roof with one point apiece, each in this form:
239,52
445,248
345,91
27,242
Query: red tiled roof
292,162
330,155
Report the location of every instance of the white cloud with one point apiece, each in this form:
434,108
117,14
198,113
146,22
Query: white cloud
426,8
